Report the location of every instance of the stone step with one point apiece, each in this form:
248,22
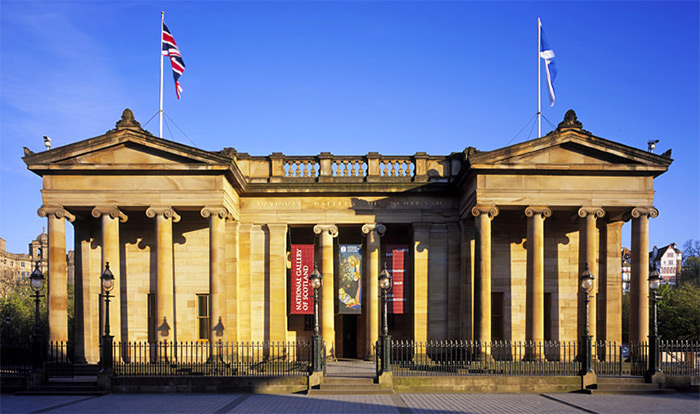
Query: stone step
348,380
66,388
372,391
619,380
324,386
628,386
630,391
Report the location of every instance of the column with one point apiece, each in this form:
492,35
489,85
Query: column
57,284
482,268
421,246
233,300
244,282
373,231
327,233
588,254
165,304
639,285
467,280
610,287
111,217
85,337
535,272
454,292
278,281
217,269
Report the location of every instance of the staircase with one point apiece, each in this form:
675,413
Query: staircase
349,386
626,385
83,382
349,377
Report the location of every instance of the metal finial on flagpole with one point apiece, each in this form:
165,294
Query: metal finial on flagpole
160,108
539,80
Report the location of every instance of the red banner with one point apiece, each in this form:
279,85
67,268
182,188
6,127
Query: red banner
302,297
396,256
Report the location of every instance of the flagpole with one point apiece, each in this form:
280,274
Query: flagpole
160,108
539,81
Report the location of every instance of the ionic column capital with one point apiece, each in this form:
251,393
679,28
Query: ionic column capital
596,212
541,211
332,229
638,212
112,211
56,211
220,211
478,210
377,228
165,211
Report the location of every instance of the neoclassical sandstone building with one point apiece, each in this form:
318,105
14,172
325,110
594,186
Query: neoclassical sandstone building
217,245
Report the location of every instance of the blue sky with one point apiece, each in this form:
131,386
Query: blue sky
351,77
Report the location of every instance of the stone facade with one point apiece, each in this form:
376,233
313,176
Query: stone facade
496,240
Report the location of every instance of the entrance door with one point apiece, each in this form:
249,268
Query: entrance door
349,336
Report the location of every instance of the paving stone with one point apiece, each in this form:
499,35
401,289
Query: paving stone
355,404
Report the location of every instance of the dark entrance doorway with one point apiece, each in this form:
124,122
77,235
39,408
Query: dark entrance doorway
349,336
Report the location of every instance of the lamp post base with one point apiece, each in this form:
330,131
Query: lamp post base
385,354
316,353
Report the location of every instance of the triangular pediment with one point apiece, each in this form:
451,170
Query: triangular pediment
129,153
126,146
570,150
571,153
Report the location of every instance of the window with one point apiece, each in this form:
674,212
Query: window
152,322
22,264
202,317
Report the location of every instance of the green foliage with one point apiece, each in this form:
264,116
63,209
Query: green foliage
679,312
17,315
690,271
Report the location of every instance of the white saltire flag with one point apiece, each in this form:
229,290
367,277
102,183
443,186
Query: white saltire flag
547,54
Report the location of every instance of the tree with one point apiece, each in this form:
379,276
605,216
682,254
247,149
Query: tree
679,312
625,317
690,271
17,314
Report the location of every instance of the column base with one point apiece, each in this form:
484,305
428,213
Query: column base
315,379
589,380
657,377
386,380
35,379
104,380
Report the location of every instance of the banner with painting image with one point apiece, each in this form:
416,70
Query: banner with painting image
350,279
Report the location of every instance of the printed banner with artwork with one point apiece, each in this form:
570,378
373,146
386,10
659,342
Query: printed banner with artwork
350,278
302,297
396,257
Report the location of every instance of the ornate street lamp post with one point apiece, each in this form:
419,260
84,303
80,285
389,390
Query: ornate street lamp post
316,280
654,283
385,285
36,280
107,285
586,283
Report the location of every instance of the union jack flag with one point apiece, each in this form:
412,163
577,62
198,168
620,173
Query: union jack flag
170,49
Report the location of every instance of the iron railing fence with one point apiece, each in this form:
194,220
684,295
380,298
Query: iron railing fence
680,357
638,358
221,359
409,358
15,361
609,359
59,360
